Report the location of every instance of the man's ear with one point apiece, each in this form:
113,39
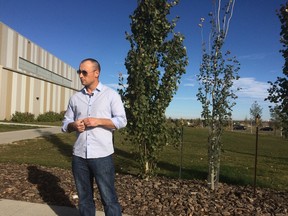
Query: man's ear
97,73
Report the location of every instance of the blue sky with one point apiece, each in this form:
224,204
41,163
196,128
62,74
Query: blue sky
74,30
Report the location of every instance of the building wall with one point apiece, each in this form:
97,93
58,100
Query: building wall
31,79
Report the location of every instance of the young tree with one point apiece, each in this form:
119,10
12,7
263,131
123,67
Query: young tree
216,77
276,118
278,91
155,63
255,110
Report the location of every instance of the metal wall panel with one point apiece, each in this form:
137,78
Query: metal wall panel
32,79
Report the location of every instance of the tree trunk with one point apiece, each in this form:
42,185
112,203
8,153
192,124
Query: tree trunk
214,150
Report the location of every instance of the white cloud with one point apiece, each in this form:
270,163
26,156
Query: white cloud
255,56
251,88
189,84
190,81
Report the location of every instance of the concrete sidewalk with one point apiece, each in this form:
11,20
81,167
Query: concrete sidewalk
20,208
12,136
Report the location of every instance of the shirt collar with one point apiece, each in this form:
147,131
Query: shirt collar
97,89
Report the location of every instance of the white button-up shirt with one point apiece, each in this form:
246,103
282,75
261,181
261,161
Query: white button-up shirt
95,142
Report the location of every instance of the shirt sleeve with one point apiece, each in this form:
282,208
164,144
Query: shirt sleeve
68,117
118,112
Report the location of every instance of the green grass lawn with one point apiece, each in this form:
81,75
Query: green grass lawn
237,159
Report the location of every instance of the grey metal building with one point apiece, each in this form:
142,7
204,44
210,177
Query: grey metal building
32,79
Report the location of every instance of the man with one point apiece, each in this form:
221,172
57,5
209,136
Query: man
94,112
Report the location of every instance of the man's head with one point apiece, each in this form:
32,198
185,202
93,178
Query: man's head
89,71
94,62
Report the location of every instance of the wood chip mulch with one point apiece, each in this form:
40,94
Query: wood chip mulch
158,196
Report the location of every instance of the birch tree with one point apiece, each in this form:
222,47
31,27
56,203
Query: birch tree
218,71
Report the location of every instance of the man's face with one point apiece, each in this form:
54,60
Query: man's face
88,74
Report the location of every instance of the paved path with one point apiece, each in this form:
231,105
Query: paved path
12,136
20,208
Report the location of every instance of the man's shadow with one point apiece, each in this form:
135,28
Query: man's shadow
50,191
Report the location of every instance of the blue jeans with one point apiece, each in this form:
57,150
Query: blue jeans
102,169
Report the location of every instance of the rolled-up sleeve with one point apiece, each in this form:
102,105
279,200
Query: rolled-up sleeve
118,112
68,117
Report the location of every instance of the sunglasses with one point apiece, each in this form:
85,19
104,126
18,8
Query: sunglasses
85,73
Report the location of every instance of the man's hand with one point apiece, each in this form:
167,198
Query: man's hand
91,122
78,126
96,122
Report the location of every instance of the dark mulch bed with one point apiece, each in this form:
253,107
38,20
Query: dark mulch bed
158,196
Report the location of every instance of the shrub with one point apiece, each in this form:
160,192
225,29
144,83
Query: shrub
50,117
22,117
